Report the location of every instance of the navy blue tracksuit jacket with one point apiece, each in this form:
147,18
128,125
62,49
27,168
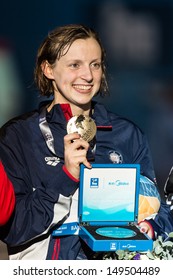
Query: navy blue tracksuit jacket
44,190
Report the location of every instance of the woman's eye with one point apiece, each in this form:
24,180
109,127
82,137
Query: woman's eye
96,65
74,65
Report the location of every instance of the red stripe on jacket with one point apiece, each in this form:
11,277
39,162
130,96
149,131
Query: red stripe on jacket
7,197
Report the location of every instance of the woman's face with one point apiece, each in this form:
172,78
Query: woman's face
77,74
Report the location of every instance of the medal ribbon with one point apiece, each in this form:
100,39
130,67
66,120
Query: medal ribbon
46,132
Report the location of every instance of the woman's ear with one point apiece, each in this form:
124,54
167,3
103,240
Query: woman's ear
47,70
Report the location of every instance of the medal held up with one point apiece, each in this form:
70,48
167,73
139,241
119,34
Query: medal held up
84,125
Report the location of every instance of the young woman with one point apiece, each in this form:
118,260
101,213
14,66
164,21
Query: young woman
43,160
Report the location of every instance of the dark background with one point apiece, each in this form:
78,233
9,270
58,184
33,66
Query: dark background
138,37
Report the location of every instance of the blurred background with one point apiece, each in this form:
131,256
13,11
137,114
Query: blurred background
138,38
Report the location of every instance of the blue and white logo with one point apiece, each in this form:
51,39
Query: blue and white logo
113,246
94,182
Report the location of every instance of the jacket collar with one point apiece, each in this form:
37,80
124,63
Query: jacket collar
61,113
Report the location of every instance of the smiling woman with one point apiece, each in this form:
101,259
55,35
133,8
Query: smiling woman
76,76
43,160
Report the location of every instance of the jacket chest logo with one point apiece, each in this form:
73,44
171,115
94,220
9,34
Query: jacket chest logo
53,161
115,157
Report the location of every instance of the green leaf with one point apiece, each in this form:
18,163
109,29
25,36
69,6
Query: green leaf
167,243
170,235
150,255
158,250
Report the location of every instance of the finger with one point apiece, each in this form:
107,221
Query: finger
143,229
80,144
87,164
69,138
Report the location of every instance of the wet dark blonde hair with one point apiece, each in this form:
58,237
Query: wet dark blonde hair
52,48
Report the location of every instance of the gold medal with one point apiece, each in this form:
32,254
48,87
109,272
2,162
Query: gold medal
83,125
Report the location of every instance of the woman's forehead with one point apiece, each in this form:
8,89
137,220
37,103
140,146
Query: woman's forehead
83,47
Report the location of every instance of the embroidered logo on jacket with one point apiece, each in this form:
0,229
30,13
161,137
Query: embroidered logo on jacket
115,157
52,160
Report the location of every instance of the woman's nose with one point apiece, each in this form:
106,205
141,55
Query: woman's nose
87,74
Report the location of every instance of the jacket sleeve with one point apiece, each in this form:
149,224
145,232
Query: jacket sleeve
7,197
38,208
149,196
142,154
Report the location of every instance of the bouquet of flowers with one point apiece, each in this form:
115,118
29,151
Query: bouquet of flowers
162,250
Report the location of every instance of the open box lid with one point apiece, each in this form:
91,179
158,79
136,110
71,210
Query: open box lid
108,194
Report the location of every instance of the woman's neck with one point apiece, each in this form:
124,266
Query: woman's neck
76,110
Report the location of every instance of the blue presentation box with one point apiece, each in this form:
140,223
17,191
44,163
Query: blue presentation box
108,208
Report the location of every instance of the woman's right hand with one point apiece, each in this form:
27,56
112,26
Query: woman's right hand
75,151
